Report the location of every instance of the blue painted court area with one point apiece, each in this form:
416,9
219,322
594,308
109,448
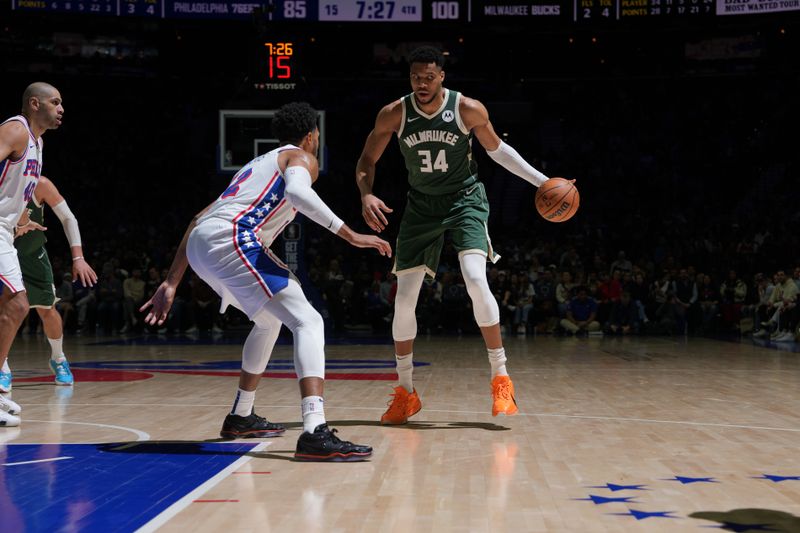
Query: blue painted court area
103,487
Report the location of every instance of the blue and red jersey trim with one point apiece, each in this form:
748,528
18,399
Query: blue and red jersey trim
272,275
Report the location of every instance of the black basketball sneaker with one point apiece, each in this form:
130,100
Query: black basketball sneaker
251,426
324,445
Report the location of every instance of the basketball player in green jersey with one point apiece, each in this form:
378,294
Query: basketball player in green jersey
434,127
37,273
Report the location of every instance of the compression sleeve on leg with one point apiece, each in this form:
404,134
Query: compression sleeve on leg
259,344
484,304
404,324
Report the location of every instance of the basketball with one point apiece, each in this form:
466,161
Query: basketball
557,200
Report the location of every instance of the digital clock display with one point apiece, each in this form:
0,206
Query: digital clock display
371,10
279,58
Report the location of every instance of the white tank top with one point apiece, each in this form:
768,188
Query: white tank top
255,202
18,179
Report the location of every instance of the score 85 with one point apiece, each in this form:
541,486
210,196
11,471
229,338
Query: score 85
279,56
294,9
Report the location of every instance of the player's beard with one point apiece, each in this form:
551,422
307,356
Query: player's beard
432,97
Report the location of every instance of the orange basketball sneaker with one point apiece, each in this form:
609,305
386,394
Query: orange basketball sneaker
503,396
403,405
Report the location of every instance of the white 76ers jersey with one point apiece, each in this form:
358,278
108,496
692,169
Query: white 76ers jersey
18,179
255,202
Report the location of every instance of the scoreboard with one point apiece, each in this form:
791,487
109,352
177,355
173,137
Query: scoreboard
410,11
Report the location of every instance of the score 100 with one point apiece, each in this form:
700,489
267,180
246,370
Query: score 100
279,56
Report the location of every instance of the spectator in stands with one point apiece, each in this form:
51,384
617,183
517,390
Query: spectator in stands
564,293
204,306
733,292
545,303
133,297
581,316
609,290
708,300
760,310
624,318
153,281
783,302
109,300
685,290
669,316
622,263
524,295
570,260
640,294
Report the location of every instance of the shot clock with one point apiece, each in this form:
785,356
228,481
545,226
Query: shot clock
279,61
276,69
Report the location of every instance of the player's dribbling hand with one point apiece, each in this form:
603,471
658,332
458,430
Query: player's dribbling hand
373,209
82,271
161,302
371,241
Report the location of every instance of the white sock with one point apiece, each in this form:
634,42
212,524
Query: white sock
497,358
6,368
243,404
405,369
313,409
57,349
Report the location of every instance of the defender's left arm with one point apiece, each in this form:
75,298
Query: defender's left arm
47,192
476,118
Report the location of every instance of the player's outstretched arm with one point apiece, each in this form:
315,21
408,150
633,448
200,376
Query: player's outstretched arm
47,192
301,170
476,118
162,299
372,207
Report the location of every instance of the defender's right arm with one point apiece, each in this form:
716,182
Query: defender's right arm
387,123
300,171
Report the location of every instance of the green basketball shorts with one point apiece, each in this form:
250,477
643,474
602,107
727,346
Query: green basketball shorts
37,275
427,218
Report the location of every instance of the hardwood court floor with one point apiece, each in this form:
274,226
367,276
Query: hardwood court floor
613,435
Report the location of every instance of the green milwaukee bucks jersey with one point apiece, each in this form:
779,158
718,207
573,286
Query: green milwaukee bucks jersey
32,241
437,147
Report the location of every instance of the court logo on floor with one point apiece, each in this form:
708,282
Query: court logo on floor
642,503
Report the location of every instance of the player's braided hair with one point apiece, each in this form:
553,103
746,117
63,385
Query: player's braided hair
427,55
294,121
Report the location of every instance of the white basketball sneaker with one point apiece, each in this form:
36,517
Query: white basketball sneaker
8,420
9,406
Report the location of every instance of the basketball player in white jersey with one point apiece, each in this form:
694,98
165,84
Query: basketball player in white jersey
20,167
227,245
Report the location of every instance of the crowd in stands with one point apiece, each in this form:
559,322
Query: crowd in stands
687,221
